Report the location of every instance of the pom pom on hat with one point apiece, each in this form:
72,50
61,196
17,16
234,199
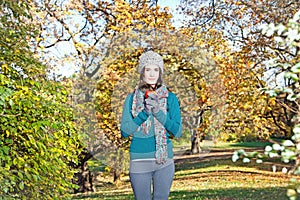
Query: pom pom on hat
150,57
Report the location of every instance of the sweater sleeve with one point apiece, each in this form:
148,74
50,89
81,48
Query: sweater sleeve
172,120
129,124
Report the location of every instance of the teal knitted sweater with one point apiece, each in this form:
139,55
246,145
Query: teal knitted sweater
143,146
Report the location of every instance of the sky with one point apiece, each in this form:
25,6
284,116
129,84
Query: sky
172,4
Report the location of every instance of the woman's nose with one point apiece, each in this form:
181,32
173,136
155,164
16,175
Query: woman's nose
151,73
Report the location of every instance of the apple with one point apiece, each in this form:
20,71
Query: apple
148,93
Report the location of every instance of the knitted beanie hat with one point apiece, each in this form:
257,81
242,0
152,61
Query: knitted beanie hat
150,57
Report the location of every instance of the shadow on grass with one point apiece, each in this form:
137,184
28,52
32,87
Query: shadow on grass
217,185
205,162
256,144
211,178
201,163
232,194
111,196
250,144
208,194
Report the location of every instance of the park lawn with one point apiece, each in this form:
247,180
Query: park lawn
208,178
223,179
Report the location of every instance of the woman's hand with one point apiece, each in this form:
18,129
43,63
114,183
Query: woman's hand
151,103
148,106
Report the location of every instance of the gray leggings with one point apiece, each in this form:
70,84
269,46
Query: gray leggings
162,181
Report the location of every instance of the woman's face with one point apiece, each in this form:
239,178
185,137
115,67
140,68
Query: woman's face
151,74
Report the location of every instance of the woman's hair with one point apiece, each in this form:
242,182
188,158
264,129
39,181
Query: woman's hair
143,86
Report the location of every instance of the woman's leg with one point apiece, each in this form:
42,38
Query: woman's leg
141,185
162,182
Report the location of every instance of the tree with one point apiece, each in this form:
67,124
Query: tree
187,68
107,41
287,37
247,108
91,28
38,139
239,21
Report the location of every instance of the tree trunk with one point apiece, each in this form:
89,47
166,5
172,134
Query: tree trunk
196,139
119,165
117,175
83,178
196,136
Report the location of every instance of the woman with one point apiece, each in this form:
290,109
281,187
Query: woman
151,115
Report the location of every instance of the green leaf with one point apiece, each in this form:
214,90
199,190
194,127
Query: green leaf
5,189
272,93
35,177
291,193
296,68
20,175
21,185
5,150
28,176
11,102
291,75
253,154
291,97
288,154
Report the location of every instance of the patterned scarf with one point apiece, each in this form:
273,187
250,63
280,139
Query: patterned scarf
161,153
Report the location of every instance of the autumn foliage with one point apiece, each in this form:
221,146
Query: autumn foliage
216,61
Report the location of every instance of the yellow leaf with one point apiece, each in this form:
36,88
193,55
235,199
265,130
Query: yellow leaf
7,133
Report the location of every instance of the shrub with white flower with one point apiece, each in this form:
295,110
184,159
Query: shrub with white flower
288,37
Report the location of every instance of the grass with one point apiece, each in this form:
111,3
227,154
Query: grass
222,179
207,178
